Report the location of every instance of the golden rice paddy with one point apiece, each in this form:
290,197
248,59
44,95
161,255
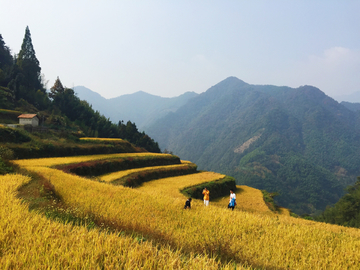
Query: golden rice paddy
120,174
176,238
49,162
30,241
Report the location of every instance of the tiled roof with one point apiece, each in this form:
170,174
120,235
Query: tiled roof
27,116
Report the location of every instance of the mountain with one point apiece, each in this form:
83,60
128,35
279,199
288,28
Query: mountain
140,108
298,142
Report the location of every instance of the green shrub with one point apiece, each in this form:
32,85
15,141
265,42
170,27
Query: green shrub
136,179
218,188
6,153
4,167
13,135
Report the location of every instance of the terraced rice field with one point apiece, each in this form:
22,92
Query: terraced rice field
50,162
171,186
111,177
149,229
247,199
30,241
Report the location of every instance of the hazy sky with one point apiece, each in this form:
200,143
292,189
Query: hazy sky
168,47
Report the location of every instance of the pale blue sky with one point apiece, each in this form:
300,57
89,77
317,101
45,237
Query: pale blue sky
167,48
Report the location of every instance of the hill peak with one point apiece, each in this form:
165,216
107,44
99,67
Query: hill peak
232,80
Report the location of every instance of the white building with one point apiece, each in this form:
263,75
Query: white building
28,119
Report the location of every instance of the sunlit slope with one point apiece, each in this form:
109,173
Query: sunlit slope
30,241
49,162
111,177
266,241
171,186
284,211
247,198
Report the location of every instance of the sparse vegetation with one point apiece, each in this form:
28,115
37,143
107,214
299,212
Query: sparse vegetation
269,200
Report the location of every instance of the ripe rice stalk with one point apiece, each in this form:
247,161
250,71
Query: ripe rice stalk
50,162
251,238
247,198
30,241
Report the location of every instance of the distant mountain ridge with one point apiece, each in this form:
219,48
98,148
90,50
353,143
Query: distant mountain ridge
353,97
297,141
140,108
351,106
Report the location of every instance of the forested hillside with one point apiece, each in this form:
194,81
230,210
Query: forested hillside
298,142
351,106
346,211
22,89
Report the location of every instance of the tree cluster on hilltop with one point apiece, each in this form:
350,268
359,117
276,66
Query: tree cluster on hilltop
22,87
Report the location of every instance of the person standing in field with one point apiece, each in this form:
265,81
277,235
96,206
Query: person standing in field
232,201
206,194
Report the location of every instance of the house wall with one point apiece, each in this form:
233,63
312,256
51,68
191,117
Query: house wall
26,121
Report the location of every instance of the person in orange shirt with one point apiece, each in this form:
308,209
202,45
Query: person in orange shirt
206,194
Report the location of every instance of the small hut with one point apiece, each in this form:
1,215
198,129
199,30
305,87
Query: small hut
29,119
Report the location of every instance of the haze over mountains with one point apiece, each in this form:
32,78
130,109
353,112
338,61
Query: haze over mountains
353,97
140,108
295,141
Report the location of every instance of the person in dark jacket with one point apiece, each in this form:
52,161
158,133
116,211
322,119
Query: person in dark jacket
188,204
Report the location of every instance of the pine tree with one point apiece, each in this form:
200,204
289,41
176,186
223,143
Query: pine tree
56,89
30,68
